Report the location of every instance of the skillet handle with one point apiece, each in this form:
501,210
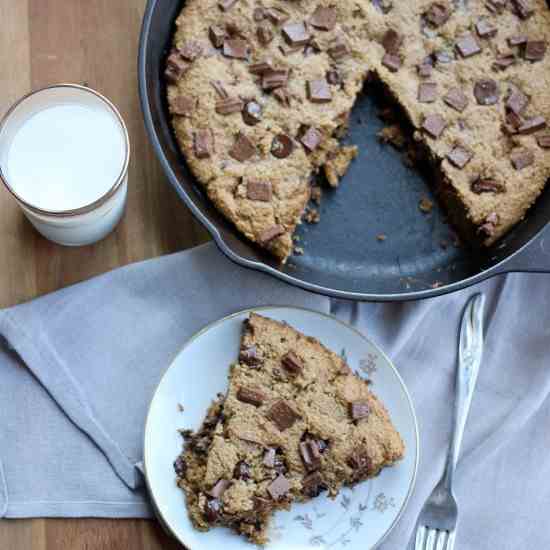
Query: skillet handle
534,257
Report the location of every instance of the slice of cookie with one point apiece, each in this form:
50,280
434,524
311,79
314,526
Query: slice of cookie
295,422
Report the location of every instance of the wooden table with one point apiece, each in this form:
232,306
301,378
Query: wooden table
93,42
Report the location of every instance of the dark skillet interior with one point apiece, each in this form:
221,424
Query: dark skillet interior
379,195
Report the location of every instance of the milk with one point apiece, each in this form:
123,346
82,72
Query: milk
64,154
65,157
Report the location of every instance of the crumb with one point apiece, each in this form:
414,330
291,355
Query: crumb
316,194
425,205
180,408
381,237
312,215
394,135
338,163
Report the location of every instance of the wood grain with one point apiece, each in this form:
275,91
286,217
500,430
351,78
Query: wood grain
93,42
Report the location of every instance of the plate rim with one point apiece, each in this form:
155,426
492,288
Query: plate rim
157,509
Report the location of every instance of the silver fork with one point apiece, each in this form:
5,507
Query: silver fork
436,525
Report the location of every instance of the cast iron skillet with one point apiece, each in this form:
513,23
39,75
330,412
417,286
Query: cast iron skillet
379,195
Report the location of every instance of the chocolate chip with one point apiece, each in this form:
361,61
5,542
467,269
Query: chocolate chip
427,92
517,40
217,36
269,457
271,233
219,488
318,91
532,125
242,471
292,362
522,8
252,113
243,149
279,487
265,34
183,106
516,101
282,146
324,18
282,415
459,156
486,91
236,48
467,45
276,16
296,34
503,61
212,508
229,105
275,78
360,462
338,49
392,62
392,41
359,409
333,77
544,141
486,185
424,70
456,99
311,139
521,158
226,5
535,50
203,143
251,396
313,485
258,190
261,67
249,355
437,14
310,454
434,125
485,29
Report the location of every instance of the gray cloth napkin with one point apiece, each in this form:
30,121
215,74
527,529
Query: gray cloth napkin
78,368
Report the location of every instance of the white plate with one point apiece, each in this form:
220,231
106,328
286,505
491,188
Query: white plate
358,519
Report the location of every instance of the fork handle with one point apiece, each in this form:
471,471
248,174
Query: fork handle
469,360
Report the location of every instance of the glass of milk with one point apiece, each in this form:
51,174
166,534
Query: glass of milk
64,153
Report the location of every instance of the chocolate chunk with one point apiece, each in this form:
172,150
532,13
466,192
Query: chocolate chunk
252,113
271,233
269,457
521,158
217,36
310,454
191,50
392,41
437,14
486,185
311,139
242,471
261,67
467,45
359,409
324,18
517,40
544,141
296,34
258,190
176,67
249,356
282,146
243,149
279,487
275,78
338,49
251,396
229,105
427,92
226,5
282,96
486,91
219,488
456,99
535,50
459,156
485,29
503,61
212,508
516,101
425,70
318,91
532,125
276,16
203,143
313,485
392,62
183,106
236,48
265,34
489,226
361,462
292,362
333,77
282,415
434,125
522,8
219,87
